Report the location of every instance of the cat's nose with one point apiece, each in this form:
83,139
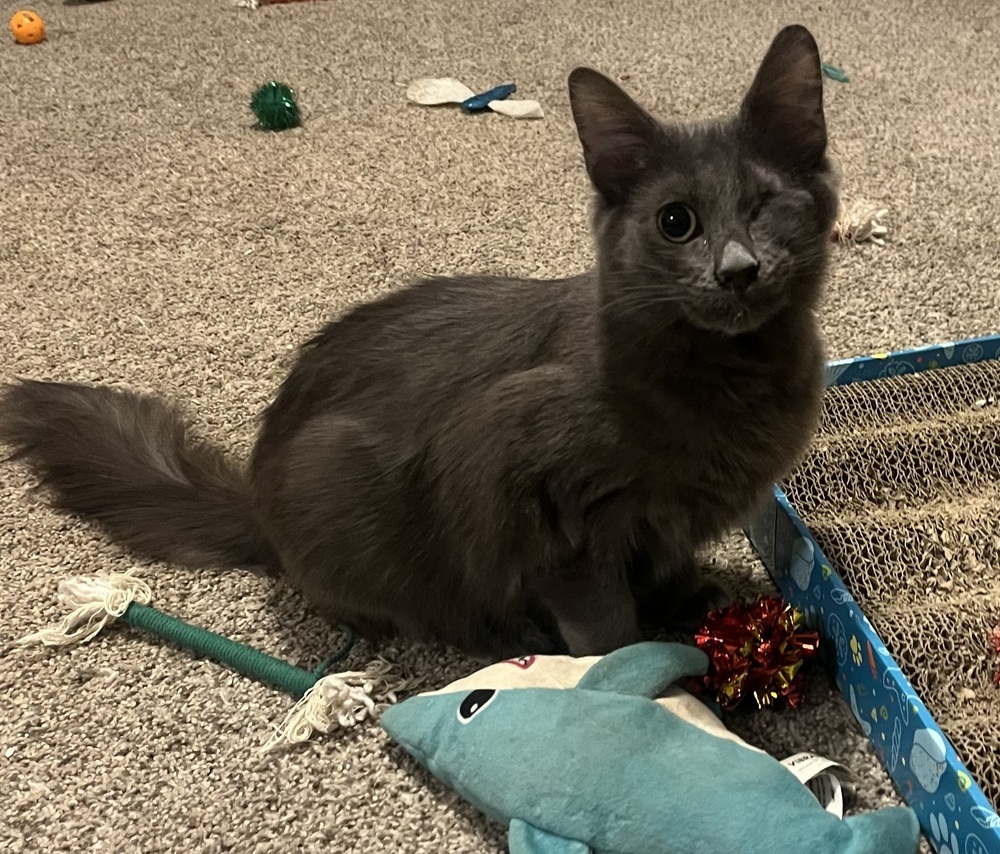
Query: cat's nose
737,268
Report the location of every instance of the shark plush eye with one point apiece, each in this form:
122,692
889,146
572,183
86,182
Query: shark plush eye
474,703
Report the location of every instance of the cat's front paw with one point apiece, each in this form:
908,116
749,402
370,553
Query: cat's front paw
678,608
528,637
711,596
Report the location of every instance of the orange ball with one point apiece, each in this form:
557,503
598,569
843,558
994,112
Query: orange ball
27,27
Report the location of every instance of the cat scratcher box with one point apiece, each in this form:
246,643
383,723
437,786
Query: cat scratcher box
887,536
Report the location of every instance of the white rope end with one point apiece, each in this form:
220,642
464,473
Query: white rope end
96,601
340,700
861,223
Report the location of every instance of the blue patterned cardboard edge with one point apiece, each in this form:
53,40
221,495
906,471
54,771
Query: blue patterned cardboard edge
953,811
944,355
955,814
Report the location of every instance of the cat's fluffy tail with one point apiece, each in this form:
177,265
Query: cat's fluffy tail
127,462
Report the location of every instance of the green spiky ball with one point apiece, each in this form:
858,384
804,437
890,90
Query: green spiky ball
274,106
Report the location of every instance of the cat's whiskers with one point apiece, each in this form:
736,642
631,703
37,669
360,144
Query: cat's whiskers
636,298
638,301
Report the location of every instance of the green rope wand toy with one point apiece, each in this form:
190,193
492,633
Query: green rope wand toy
324,701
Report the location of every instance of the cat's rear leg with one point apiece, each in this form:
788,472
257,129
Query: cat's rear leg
337,504
350,516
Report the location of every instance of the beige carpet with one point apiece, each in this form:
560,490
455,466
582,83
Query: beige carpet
150,237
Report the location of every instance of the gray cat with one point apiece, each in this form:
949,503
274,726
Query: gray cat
506,465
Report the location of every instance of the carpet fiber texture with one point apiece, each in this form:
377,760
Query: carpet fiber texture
152,238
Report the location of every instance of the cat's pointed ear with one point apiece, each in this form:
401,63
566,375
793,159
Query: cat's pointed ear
783,109
618,136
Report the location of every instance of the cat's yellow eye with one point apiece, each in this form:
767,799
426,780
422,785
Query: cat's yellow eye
678,222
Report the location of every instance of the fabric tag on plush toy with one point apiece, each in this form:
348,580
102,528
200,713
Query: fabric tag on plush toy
823,777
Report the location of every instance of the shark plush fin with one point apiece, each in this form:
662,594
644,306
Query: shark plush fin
524,838
644,669
887,829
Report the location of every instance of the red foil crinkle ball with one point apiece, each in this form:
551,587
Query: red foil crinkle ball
756,650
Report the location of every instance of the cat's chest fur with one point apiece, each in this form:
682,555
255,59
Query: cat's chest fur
709,433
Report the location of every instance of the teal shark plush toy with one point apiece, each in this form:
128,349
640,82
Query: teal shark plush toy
603,768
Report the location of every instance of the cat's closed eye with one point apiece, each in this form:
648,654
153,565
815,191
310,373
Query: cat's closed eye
678,222
758,205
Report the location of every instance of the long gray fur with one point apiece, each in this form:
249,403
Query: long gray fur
511,465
